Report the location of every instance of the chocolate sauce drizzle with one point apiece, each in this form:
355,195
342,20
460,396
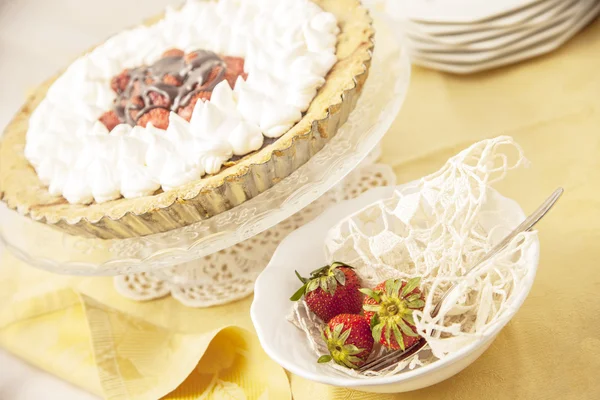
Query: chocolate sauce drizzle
193,70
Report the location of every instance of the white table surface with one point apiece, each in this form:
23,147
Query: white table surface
37,39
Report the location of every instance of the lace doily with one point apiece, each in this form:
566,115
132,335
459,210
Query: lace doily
229,274
436,229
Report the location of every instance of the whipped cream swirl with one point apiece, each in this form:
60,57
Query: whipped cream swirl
288,46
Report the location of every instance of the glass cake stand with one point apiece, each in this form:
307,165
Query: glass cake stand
176,256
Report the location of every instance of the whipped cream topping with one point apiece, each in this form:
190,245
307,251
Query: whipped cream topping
288,47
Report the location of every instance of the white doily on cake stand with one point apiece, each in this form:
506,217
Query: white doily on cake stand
229,274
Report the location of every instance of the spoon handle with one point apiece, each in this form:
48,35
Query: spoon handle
524,226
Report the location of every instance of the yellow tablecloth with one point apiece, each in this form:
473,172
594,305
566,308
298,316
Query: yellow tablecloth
82,331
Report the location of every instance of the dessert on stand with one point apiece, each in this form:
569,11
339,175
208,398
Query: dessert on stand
216,257
164,125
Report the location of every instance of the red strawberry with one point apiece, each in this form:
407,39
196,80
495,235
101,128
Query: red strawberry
173,53
236,64
158,116
235,68
145,78
349,340
389,309
212,76
187,111
159,100
190,56
330,291
119,83
110,119
172,80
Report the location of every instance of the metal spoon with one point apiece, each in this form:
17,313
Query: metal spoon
400,355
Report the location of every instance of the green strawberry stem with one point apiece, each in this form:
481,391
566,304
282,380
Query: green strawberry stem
342,353
393,311
327,278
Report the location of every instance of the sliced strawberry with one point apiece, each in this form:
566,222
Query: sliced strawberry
119,83
212,76
138,102
190,56
110,119
233,68
157,99
186,112
159,117
172,80
173,53
235,64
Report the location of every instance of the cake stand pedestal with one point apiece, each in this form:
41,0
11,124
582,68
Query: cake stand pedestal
229,274
216,260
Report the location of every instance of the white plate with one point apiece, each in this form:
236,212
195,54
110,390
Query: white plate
544,10
537,11
483,32
541,48
540,37
459,11
500,41
303,250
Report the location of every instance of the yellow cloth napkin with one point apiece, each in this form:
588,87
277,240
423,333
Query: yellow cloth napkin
82,331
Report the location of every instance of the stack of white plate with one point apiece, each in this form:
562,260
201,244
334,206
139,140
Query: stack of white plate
466,36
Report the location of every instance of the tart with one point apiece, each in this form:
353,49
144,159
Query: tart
179,120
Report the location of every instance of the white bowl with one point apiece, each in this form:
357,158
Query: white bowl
303,250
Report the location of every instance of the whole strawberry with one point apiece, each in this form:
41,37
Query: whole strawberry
349,340
389,309
330,291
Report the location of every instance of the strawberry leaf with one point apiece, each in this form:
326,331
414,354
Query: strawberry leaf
312,285
337,331
374,321
319,271
389,287
340,277
355,361
352,349
413,297
398,336
376,331
345,361
337,264
371,307
324,359
411,285
406,329
397,287
344,336
323,283
332,284
302,279
408,317
388,333
371,293
299,293
416,304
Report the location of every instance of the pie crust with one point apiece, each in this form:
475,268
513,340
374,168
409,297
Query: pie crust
21,189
